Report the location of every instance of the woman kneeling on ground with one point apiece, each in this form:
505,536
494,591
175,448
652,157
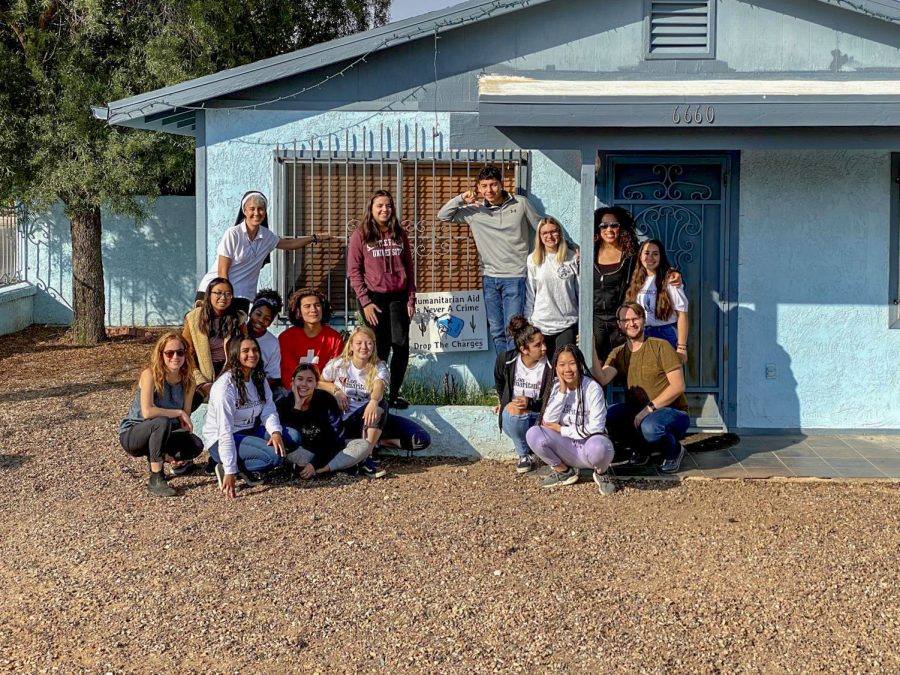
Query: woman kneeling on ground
158,425
242,431
357,380
572,430
312,422
521,375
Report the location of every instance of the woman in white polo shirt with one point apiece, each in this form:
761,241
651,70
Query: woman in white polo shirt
245,247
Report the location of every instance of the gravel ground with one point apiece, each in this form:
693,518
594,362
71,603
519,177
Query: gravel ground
446,567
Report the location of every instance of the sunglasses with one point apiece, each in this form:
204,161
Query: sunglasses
614,226
172,353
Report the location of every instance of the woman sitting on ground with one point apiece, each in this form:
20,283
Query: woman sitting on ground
551,287
158,425
264,310
521,375
242,431
571,434
357,379
310,339
207,328
313,427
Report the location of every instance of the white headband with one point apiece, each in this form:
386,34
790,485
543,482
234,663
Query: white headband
254,194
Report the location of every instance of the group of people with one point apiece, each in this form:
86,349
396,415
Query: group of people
320,403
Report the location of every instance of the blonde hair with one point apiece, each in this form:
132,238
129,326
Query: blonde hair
158,366
539,252
370,370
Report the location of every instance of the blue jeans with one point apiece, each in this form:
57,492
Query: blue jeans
516,426
667,332
659,431
252,452
504,297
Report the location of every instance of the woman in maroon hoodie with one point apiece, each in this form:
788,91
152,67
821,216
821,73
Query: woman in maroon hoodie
380,268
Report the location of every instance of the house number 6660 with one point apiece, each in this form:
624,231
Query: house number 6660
694,114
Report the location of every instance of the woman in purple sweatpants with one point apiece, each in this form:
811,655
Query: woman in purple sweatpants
571,434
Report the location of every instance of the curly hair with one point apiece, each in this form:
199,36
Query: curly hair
664,308
294,305
269,298
627,235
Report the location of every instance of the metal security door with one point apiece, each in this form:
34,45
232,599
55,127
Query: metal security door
684,202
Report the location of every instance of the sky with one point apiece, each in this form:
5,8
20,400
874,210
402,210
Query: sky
403,9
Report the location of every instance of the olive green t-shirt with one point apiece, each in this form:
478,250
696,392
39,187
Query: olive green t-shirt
644,372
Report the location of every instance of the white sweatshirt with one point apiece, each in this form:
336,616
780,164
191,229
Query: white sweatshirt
551,293
225,417
561,408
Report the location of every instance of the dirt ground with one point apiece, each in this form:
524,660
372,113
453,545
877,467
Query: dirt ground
445,567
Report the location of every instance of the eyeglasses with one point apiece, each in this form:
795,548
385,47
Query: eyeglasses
222,294
172,353
614,226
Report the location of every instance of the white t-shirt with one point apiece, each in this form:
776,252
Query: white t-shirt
562,408
271,355
527,381
246,256
646,298
352,381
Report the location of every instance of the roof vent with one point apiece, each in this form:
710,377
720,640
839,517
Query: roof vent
679,29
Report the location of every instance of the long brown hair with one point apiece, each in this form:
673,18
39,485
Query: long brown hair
664,306
158,365
230,324
369,227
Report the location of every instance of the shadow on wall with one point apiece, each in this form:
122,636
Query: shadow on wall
149,266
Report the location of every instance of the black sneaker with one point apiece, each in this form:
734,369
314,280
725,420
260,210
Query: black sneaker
559,478
251,478
398,403
182,470
638,459
525,464
370,469
158,485
210,468
672,465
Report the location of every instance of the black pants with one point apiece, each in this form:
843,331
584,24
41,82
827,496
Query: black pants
158,437
606,337
392,334
240,304
565,337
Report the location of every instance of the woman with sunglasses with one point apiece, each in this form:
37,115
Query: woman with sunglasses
206,330
615,257
158,424
245,248
551,286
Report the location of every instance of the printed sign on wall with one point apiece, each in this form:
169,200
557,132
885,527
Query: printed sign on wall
449,322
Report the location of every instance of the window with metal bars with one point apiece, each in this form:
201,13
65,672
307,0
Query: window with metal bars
680,29
330,194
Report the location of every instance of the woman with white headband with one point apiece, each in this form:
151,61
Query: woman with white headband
245,248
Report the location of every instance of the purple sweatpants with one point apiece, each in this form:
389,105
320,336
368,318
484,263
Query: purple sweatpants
594,453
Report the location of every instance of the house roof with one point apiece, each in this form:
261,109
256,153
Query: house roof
173,108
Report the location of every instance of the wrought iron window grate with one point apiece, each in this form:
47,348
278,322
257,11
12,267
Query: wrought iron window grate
10,239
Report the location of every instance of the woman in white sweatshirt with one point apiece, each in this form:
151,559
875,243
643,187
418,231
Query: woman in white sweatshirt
571,434
242,432
551,286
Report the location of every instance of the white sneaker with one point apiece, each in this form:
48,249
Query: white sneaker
220,475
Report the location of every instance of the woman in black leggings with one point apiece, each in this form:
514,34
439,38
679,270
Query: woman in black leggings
380,268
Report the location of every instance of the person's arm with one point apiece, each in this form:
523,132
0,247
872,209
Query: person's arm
327,383
223,266
273,366
287,359
356,268
603,373
457,210
269,416
224,401
226,252
673,390
682,327
186,406
500,375
373,409
410,268
530,286
295,243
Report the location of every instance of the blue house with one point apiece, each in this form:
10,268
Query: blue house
759,139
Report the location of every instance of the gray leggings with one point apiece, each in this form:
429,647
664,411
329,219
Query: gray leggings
355,452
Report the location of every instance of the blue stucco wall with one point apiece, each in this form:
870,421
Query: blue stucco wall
240,157
148,266
16,307
813,286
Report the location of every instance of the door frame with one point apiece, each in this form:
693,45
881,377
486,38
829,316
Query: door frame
729,255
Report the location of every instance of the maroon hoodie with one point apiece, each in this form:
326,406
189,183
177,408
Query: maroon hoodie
385,266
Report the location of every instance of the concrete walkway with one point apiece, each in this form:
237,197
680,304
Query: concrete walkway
819,456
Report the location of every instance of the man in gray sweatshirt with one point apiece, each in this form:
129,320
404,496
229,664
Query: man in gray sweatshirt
499,223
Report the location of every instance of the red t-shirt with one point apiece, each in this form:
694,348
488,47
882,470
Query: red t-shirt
297,348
